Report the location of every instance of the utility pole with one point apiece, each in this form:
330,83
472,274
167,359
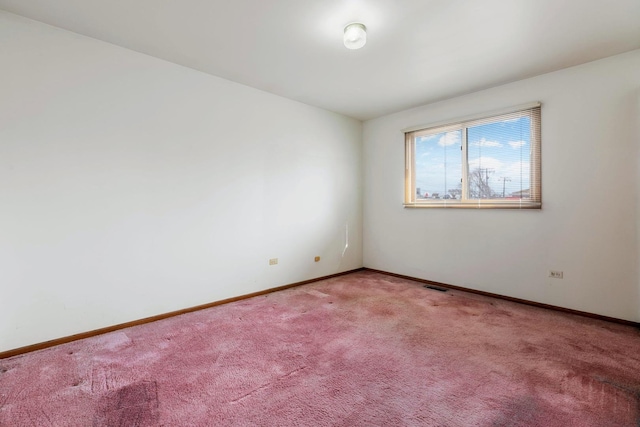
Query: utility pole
504,180
484,189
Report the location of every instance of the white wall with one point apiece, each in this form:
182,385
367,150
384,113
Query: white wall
131,186
588,226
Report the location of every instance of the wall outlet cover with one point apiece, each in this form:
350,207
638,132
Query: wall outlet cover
556,274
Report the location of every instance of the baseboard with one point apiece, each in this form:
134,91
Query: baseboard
93,333
512,299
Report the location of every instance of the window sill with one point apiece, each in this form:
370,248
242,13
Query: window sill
489,204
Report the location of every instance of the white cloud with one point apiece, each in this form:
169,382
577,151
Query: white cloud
449,138
517,169
517,144
513,170
486,163
484,143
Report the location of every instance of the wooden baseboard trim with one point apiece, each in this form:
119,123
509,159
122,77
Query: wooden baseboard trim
89,334
512,299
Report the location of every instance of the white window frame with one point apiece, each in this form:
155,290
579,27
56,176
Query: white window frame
532,110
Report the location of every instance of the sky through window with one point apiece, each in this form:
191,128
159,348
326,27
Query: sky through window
498,155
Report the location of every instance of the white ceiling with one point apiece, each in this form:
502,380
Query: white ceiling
418,51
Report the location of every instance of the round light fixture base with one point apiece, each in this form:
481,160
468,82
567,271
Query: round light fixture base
355,35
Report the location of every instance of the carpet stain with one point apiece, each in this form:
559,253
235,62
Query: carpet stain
135,405
523,411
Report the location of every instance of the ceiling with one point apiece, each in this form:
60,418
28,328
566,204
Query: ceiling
418,51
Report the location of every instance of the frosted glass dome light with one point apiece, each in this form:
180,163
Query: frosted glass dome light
355,35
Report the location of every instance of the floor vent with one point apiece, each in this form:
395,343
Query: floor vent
435,288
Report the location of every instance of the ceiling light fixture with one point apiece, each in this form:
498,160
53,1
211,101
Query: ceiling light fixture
355,35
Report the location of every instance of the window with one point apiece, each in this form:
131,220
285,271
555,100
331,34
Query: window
482,162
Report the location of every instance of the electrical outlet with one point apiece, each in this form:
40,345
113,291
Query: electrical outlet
273,261
317,259
556,274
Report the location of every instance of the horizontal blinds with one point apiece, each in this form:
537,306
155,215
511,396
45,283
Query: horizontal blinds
536,179
471,118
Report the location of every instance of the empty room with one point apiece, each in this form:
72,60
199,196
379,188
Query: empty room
320,213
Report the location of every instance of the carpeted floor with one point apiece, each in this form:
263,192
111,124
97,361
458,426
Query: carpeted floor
364,349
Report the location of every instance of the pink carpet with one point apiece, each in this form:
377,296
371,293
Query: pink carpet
359,350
